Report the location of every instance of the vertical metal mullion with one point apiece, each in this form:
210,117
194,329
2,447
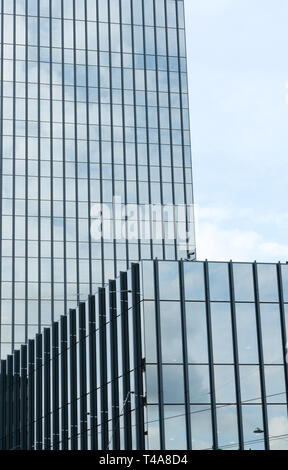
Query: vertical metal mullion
114,366
124,131
73,380
103,368
236,357
31,395
185,356
1,160
182,128
55,386
112,142
16,401
136,135
139,397
159,126
39,183
93,374
261,358
125,361
88,149
64,166
26,172
76,156
100,140
13,176
211,357
83,377
283,324
47,389
51,166
3,398
147,137
9,402
159,355
64,383
24,399
171,134
39,392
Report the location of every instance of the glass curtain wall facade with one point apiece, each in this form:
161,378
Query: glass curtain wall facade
220,334
93,104
171,355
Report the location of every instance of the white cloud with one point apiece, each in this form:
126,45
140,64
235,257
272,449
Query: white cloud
217,237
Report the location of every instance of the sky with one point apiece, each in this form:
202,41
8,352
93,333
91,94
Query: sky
238,85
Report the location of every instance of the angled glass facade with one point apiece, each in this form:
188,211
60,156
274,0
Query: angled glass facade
93,104
169,356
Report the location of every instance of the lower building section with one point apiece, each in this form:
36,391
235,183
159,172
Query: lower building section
170,355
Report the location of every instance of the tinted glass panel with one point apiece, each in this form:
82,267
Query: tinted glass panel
275,384
175,427
243,282
169,281
284,269
247,333
278,427
194,281
173,375
199,384
148,279
201,427
227,427
153,427
271,334
150,332
252,417
222,332
250,384
268,285
219,281
225,384
196,332
171,332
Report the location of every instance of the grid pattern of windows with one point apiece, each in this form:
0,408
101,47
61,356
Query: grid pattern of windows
215,348
93,104
170,356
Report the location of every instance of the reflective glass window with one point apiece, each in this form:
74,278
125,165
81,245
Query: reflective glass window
247,333
278,427
201,424
175,427
252,417
171,376
222,332
224,384
268,285
284,271
250,384
271,334
199,384
150,332
219,281
194,281
171,332
275,384
169,280
196,327
243,282
152,384
227,425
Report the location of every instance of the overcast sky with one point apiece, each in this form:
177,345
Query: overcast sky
238,76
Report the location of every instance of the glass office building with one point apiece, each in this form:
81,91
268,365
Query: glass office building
93,104
171,355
